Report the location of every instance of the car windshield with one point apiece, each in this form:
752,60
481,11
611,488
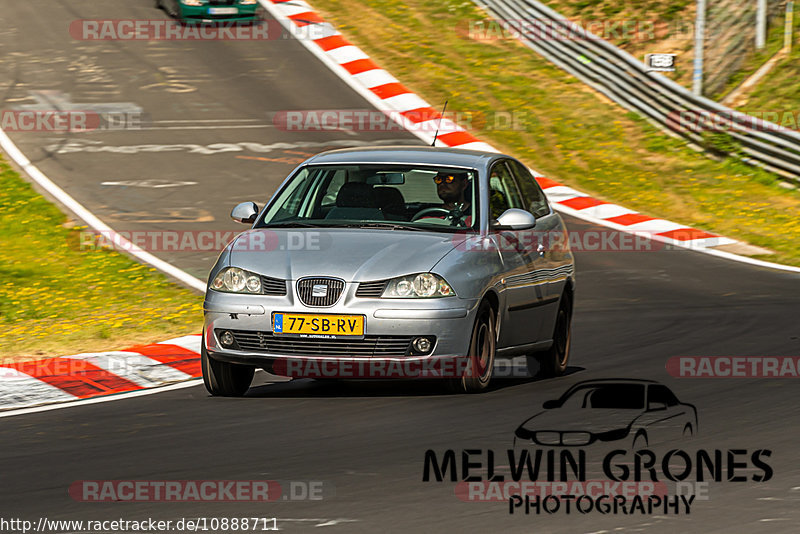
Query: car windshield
377,196
612,396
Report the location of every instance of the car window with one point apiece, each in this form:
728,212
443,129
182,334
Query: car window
618,397
337,181
503,192
611,396
419,187
658,393
292,195
348,195
534,198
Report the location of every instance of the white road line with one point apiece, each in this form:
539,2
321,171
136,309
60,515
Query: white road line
108,398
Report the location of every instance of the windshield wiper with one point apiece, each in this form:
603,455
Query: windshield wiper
386,225
293,224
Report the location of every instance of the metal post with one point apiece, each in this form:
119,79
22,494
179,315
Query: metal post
699,42
761,24
787,28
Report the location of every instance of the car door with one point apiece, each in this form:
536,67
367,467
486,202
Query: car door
523,295
552,264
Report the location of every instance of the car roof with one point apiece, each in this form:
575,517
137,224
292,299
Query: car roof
420,155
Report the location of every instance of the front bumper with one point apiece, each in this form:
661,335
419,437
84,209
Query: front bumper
388,322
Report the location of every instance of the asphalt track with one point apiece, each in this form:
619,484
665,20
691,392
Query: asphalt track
634,310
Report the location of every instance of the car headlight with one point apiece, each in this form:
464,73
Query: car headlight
248,2
414,286
235,280
194,2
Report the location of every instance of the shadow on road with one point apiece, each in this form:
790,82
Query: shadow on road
267,386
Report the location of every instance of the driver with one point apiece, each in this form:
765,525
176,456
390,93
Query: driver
450,186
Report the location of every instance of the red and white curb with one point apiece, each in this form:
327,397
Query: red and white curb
96,374
387,94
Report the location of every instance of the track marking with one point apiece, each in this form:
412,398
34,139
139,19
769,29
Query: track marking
107,398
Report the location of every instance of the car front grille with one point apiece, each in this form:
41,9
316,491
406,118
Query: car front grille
333,288
273,286
222,2
573,438
369,346
371,289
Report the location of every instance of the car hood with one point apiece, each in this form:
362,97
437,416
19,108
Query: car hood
352,254
581,420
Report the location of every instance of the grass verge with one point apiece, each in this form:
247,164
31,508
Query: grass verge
56,299
563,130
779,90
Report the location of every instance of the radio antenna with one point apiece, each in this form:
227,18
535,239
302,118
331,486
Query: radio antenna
439,124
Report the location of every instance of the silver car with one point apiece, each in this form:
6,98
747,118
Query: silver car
400,262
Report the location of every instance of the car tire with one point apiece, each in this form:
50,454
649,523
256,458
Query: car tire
223,379
553,362
172,12
480,364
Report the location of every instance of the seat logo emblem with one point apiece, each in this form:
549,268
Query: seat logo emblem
319,290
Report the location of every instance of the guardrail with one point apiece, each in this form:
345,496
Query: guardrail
709,125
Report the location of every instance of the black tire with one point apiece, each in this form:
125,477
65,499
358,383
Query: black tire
223,379
171,11
553,362
483,343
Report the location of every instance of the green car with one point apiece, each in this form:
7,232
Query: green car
212,10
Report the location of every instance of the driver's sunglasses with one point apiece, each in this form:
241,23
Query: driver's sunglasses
448,179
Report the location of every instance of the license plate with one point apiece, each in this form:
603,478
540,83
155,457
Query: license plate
318,326
223,10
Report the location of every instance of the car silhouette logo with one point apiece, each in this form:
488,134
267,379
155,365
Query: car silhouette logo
642,411
319,290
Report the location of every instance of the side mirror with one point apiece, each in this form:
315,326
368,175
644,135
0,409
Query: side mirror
515,219
549,405
656,406
245,213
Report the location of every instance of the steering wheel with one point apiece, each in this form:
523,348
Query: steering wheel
426,211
